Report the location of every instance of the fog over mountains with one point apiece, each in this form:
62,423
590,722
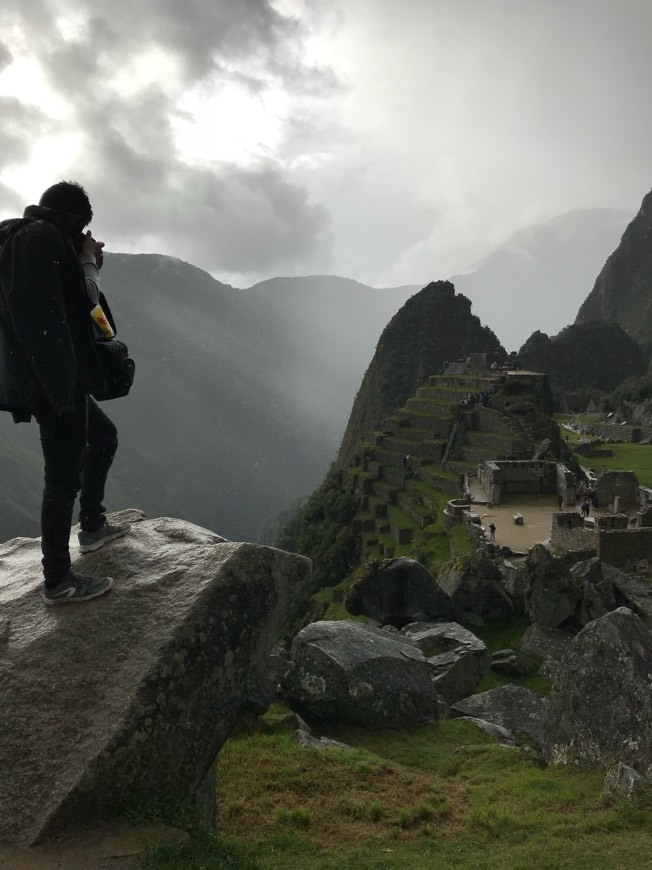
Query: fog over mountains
536,280
240,400
242,396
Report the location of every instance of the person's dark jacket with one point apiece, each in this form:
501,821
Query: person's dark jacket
47,345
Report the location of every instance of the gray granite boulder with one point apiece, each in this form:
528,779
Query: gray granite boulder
130,696
552,595
513,579
349,672
501,735
510,663
548,643
399,591
457,657
512,707
600,707
623,781
474,584
263,686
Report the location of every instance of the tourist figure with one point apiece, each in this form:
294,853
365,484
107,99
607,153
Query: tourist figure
492,532
586,508
49,283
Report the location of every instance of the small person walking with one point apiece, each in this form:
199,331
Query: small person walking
492,532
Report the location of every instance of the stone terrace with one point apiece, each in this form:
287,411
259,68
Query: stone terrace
404,472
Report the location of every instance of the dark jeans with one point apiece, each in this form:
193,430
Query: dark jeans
78,450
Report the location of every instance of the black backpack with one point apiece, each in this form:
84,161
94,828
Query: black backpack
118,367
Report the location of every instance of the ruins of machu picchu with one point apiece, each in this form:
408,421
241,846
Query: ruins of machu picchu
425,454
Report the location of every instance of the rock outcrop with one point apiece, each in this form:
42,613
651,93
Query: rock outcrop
474,584
551,595
600,708
512,707
457,657
129,697
349,672
622,289
397,592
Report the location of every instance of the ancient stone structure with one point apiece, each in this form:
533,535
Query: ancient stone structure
617,489
128,698
521,476
569,533
623,547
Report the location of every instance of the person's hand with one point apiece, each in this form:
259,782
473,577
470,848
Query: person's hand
90,246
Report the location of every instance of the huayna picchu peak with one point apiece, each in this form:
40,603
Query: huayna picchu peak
433,326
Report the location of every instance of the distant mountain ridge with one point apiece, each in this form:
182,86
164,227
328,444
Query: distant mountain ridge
622,292
240,399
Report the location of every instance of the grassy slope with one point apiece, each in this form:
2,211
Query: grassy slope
427,797
627,457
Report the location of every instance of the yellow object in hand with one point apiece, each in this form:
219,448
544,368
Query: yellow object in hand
100,319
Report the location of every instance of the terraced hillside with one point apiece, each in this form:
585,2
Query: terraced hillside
405,473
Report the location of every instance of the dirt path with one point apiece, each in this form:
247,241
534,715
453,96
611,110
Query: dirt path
109,847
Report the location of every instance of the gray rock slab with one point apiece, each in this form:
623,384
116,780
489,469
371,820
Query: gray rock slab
623,781
474,584
512,707
549,643
501,735
349,672
600,707
457,657
131,695
399,591
552,595
510,663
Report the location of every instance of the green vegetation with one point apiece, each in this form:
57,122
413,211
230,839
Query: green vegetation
442,796
461,540
627,457
588,356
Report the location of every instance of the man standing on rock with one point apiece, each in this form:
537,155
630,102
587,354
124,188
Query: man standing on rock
49,282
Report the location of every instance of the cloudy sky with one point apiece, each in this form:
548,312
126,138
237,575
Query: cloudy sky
392,142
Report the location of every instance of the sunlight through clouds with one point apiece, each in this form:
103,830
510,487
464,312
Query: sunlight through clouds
229,123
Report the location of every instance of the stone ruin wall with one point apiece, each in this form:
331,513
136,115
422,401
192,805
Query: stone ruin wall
617,484
568,533
526,476
622,547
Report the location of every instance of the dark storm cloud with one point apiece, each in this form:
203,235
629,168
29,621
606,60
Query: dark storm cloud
5,56
20,125
232,218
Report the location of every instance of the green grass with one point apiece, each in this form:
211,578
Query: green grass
420,798
461,540
507,634
627,457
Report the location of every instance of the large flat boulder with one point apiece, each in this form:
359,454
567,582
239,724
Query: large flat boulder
600,708
129,697
348,672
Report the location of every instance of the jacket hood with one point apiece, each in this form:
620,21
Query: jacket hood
70,224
